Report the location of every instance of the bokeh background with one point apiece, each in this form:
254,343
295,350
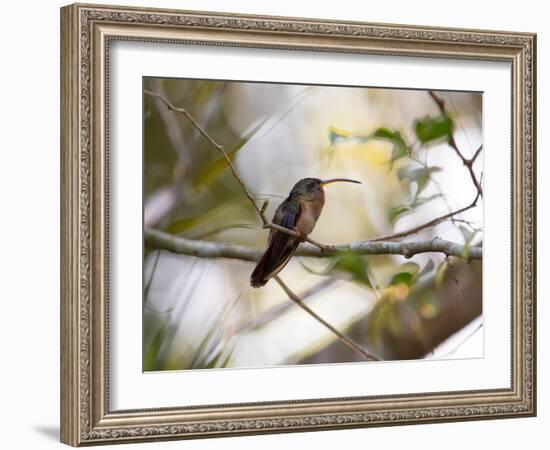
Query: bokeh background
202,313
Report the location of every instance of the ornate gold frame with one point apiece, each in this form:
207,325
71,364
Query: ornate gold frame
86,31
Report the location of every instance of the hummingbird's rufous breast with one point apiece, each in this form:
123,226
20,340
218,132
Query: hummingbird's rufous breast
298,212
310,211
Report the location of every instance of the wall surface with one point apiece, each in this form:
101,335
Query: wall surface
29,181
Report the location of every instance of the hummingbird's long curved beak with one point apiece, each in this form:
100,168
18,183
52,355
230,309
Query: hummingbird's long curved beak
335,180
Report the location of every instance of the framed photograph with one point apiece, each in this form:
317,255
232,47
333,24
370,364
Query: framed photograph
276,225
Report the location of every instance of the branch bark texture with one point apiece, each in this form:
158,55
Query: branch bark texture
266,224
206,249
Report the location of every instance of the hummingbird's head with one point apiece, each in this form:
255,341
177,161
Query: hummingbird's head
312,188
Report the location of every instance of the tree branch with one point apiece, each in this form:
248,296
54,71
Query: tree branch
265,222
431,223
352,344
476,154
159,239
467,162
205,249
277,310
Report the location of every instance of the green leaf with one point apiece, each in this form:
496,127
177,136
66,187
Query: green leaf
402,278
467,234
209,221
406,274
352,264
410,267
400,147
419,201
397,211
419,175
399,151
182,225
384,133
427,268
432,128
355,265
336,134
333,136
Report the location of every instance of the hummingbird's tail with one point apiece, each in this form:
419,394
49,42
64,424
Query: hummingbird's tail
277,255
258,277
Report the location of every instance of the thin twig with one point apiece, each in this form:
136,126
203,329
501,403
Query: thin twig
208,249
266,223
476,154
467,162
436,183
281,308
350,343
458,119
431,223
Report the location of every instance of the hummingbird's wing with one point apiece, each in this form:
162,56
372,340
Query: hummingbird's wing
281,246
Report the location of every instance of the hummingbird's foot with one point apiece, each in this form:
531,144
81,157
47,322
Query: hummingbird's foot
301,235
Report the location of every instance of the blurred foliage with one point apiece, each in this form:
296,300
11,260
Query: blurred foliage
193,194
412,318
160,331
400,147
202,173
413,172
433,128
349,266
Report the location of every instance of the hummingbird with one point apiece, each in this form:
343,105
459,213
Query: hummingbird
298,212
